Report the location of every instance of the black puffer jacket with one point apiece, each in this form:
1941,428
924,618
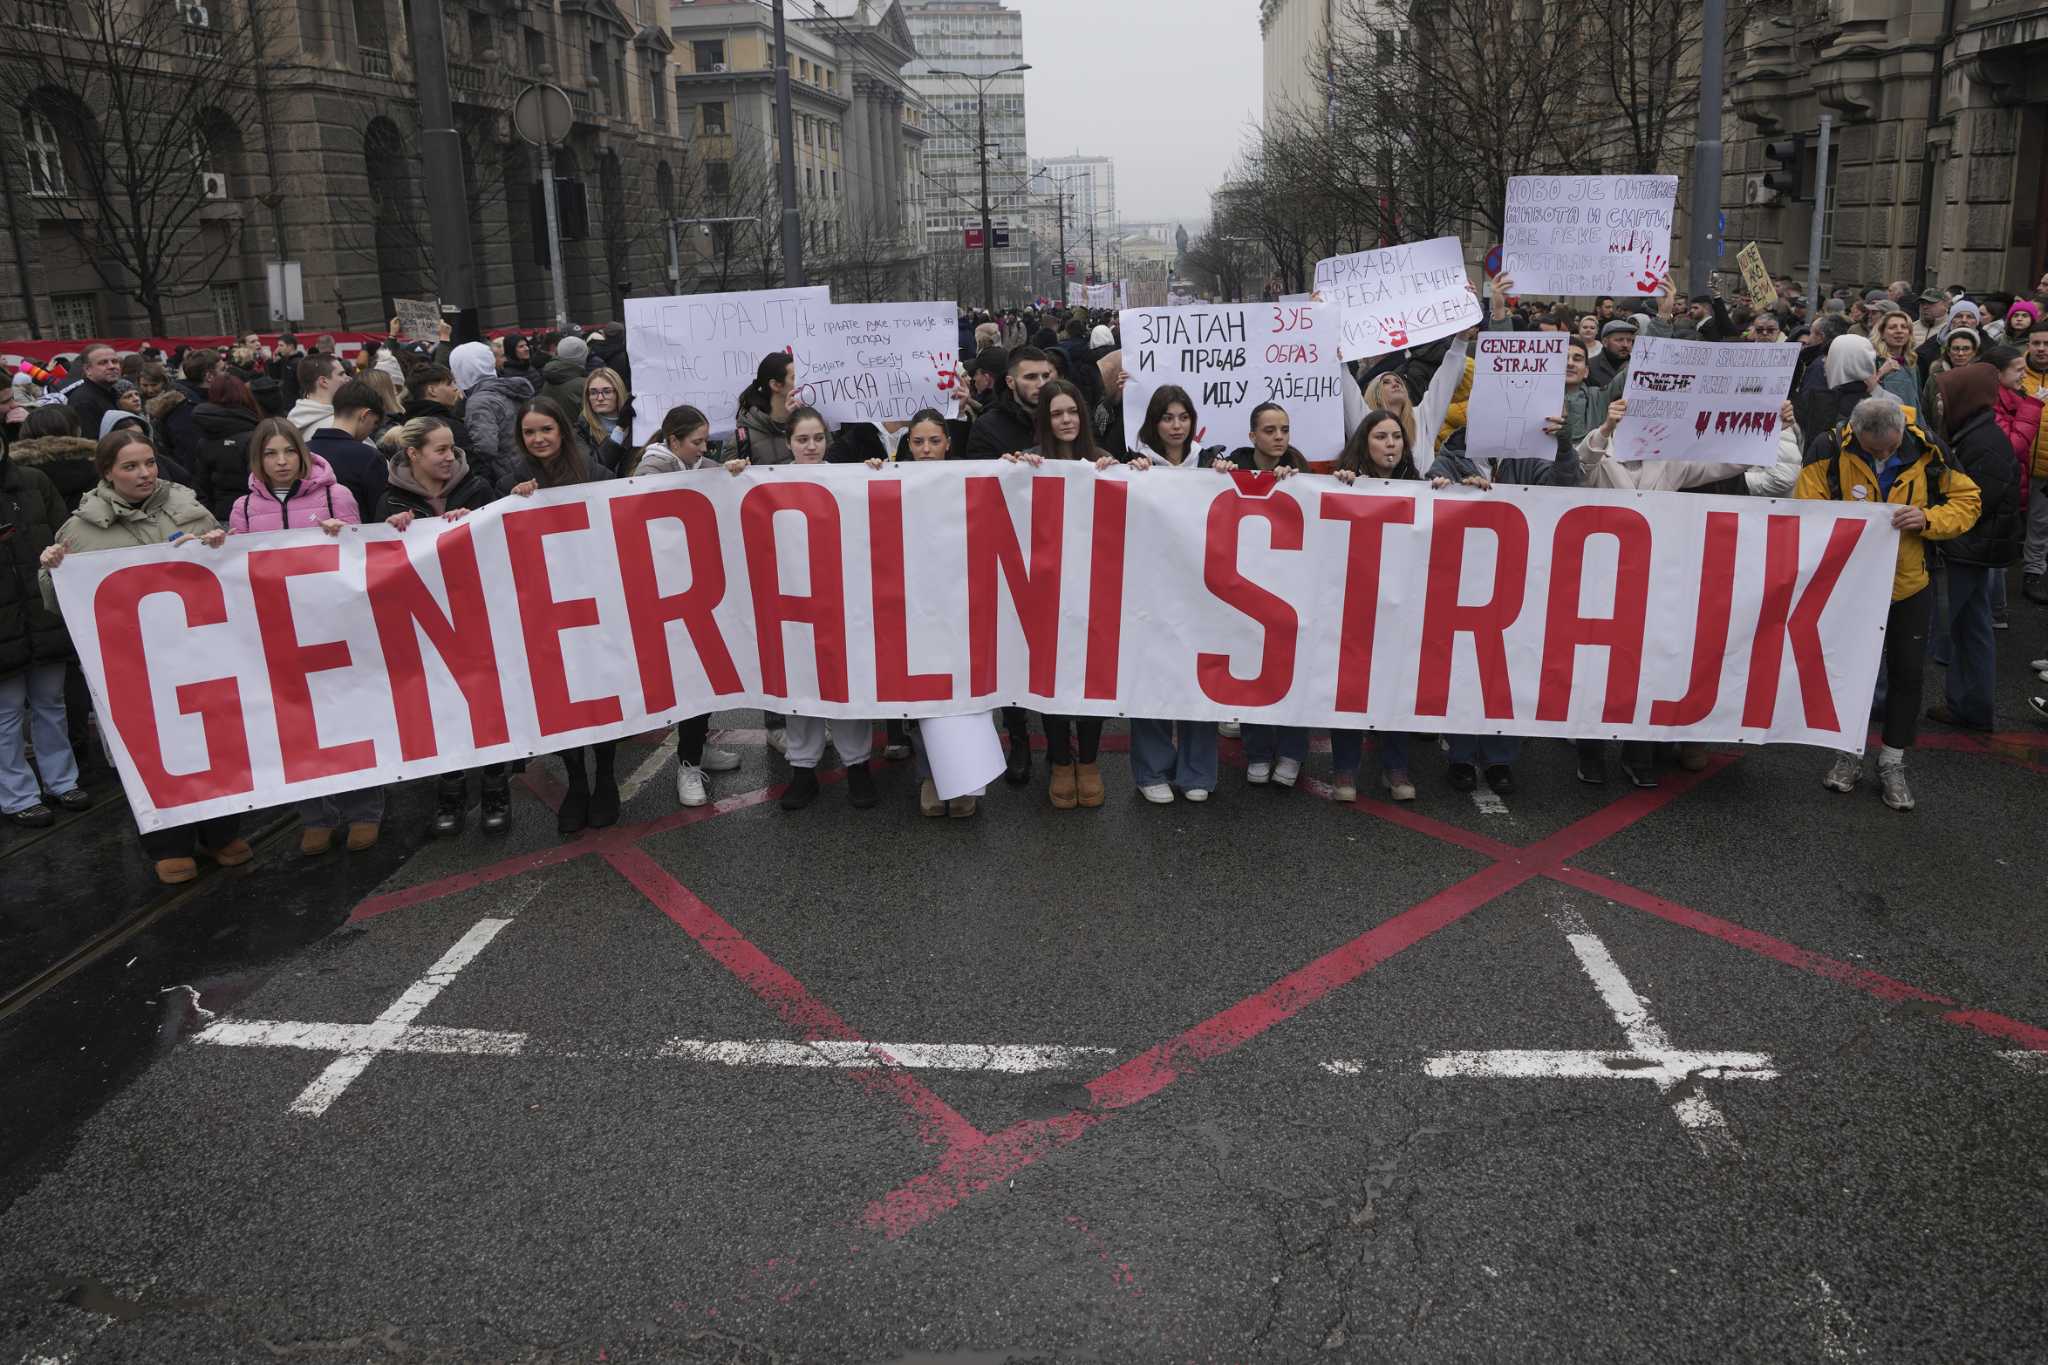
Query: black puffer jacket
419,406
65,461
30,633
220,470
1004,426
1981,450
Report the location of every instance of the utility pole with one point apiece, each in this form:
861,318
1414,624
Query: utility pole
785,138
988,234
1702,250
1817,233
441,164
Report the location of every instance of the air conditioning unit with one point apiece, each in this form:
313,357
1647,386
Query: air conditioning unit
717,68
196,16
1756,192
213,184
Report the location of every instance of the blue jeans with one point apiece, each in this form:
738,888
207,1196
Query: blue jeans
1998,592
1189,763
1347,749
1264,743
1484,751
1966,638
363,806
39,691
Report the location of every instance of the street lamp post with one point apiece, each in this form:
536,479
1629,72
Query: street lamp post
981,84
1061,195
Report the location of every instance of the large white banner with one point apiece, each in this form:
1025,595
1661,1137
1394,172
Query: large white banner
702,349
289,665
877,362
1517,381
1231,357
1398,296
1705,400
1588,234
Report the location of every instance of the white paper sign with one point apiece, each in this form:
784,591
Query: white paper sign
702,349
418,319
1231,357
877,362
1517,381
964,752
1398,296
1584,235
1101,296
1705,400
1077,294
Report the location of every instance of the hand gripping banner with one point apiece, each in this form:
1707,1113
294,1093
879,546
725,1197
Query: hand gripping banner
290,665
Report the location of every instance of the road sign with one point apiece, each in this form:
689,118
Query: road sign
1002,238
973,238
542,115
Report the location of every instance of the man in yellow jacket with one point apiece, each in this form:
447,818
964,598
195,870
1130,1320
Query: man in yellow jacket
2034,382
1879,456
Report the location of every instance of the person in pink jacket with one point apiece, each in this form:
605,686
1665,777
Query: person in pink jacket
290,488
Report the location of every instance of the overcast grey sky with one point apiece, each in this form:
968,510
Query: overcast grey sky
1167,87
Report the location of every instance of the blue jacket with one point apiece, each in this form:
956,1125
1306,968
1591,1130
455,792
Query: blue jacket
358,466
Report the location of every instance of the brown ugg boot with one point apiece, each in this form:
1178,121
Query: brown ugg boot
1088,784
1062,790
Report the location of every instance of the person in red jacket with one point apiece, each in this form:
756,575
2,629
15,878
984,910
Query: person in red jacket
2019,417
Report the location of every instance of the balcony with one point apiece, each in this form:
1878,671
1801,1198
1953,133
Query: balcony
202,40
467,81
376,61
582,103
54,14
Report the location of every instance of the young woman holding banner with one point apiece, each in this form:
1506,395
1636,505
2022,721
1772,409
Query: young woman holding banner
1379,449
430,477
854,739
1273,753
133,505
1167,439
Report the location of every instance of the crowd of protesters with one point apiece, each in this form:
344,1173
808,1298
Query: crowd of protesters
1930,402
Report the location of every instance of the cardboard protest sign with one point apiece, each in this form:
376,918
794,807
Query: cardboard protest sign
877,362
702,349
1589,234
1755,278
1517,381
1231,357
418,319
1398,296
1703,400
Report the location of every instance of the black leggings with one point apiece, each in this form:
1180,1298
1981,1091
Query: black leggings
690,737
1905,659
572,759
1070,739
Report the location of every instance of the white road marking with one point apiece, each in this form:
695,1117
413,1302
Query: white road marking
1666,1068
1489,801
2028,1060
649,766
328,1086
1835,1331
1008,1057
417,1038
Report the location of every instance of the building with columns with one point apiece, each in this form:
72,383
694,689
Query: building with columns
860,133
302,131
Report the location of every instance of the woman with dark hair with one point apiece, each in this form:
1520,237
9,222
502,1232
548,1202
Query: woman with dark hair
50,442
549,456
762,435
225,422
1378,449
1170,432
131,505
1272,449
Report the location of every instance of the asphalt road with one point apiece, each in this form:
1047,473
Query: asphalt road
1221,1083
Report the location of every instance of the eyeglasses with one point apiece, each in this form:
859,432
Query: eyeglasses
600,393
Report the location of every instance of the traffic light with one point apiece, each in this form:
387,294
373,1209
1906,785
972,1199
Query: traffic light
1787,176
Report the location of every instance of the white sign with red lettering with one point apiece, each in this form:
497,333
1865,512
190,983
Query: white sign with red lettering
289,665
1583,235
1716,401
1231,357
1398,296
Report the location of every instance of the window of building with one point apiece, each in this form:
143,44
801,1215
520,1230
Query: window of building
481,37
44,153
226,302
718,178
712,116
536,50
599,73
77,315
657,100
835,182
810,181
708,55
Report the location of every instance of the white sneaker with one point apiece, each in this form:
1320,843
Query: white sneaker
719,760
1159,794
778,740
2039,665
1891,777
1258,774
691,788
1343,787
1288,770
1196,794
1848,770
1229,730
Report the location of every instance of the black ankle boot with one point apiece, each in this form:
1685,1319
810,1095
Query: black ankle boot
497,803
1018,769
860,786
451,800
574,812
604,801
802,789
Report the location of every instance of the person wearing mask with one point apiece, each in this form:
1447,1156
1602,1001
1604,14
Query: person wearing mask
346,445
1378,449
562,378
605,423
761,434
806,735
1878,456
1009,423
225,422
1964,640
91,395
490,411
51,445
430,478
1072,743
551,457
433,392
35,654
132,506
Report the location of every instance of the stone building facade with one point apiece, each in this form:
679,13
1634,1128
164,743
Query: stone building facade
1939,155
322,167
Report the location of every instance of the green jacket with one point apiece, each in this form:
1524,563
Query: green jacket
105,521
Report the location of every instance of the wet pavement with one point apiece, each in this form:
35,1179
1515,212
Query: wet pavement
1731,1069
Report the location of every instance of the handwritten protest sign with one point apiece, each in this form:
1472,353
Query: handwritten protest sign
1755,278
1700,400
1101,296
702,349
418,319
1589,234
1517,381
877,362
1398,296
1231,357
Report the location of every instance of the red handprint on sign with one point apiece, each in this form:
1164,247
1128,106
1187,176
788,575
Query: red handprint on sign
948,376
1651,278
1394,331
